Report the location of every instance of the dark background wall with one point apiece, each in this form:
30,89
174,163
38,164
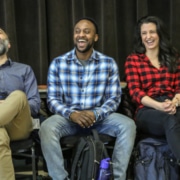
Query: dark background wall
40,30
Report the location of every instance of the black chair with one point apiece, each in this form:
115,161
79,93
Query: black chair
28,150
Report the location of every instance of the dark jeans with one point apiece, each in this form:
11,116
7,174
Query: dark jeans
158,123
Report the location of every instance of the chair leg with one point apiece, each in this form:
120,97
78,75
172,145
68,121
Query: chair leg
34,168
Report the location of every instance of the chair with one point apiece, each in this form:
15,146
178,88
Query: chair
28,149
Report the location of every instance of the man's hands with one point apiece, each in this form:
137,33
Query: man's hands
84,118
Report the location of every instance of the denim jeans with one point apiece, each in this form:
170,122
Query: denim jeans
116,125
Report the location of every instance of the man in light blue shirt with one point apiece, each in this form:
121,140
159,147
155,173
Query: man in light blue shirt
83,93
19,102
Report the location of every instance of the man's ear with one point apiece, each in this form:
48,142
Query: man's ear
9,45
96,38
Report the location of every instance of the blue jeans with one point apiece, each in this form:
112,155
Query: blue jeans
116,125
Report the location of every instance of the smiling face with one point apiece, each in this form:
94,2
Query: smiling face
84,36
149,36
4,46
4,43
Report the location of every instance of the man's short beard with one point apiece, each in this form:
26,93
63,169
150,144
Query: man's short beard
3,47
85,50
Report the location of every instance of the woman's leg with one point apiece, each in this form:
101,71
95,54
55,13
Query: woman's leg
159,123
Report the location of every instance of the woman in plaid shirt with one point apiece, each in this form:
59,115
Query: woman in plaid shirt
153,76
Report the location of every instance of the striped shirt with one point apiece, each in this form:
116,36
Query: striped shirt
73,87
145,80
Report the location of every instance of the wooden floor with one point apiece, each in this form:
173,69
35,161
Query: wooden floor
23,170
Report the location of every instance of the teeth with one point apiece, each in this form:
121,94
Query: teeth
81,40
150,41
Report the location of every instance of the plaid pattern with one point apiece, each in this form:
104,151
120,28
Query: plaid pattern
144,79
72,86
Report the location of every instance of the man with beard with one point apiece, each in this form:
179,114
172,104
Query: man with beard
19,102
83,93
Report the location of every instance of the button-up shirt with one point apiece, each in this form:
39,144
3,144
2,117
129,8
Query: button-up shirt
18,76
73,87
146,80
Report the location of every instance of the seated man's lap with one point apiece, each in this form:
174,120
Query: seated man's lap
112,125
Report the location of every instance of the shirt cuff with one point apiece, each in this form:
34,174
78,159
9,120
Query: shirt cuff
96,114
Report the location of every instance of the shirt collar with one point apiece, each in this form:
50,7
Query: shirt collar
73,56
7,63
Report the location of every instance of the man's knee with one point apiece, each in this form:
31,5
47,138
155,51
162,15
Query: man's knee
125,121
47,128
131,124
18,94
127,126
18,97
4,137
43,128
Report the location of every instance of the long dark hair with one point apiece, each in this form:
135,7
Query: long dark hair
168,55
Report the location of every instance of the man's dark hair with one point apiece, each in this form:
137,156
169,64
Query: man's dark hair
89,19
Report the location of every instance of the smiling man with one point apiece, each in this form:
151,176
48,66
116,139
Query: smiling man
84,92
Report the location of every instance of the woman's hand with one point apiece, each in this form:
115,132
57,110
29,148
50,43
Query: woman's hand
169,106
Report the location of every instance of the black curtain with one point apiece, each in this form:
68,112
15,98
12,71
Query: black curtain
40,30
